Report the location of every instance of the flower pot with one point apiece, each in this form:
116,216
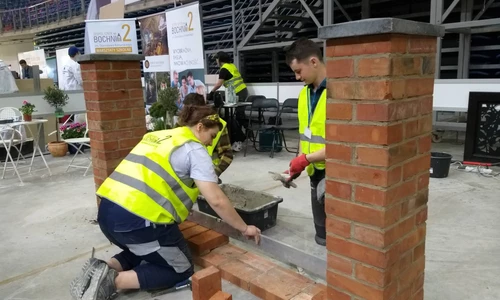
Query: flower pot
27,118
58,149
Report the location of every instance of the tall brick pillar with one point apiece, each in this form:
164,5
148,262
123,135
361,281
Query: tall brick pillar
379,122
115,108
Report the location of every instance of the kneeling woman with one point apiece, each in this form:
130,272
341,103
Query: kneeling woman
142,202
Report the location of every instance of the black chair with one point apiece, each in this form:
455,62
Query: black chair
291,123
255,126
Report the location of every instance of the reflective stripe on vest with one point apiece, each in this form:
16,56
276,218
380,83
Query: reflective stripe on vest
236,81
316,123
145,183
211,149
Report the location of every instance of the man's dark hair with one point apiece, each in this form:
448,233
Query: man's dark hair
223,57
22,61
189,74
303,49
194,99
184,78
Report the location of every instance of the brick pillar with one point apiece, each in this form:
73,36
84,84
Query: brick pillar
115,108
379,121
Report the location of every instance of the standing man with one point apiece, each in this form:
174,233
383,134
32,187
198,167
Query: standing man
72,75
306,60
229,75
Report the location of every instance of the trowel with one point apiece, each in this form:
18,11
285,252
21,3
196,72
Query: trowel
283,179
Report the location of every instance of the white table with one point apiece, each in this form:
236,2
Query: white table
36,138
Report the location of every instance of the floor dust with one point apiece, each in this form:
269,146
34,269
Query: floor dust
245,199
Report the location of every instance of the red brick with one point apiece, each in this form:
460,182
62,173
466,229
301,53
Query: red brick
422,45
337,295
404,294
131,123
424,144
302,296
278,283
411,204
423,181
360,289
137,93
133,74
221,255
220,295
206,283
97,85
109,116
386,157
406,65
138,113
99,106
376,276
375,44
185,225
419,295
206,242
338,189
374,66
419,251
374,90
418,284
339,111
365,134
256,261
125,65
342,90
412,239
95,65
360,174
421,216
239,273
127,84
104,146
419,87
316,290
359,252
416,166
383,238
385,197
339,264
384,112
363,214
338,227
109,75
193,231
412,273
426,105
338,152
340,68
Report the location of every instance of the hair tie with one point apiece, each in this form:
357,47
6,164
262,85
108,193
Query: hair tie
214,117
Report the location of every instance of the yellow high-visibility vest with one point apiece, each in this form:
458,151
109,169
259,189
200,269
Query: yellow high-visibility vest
145,183
312,126
236,81
211,149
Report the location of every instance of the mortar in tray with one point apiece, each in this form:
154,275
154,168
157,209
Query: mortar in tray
255,208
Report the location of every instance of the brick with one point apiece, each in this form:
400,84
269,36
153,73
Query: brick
365,134
383,197
129,143
423,181
412,273
361,174
206,283
429,65
302,296
109,116
419,87
422,45
383,238
424,144
278,283
374,90
342,90
412,239
339,111
418,284
194,231
421,216
360,213
338,227
374,257
317,291
338,152
385,112
185,225
97,85
340,68
374,66
100,106
375,44
220,295
360,289
406,65
332,293
338,189
239,273
256,261
409,205
339,264
386,157
419,251
110,75
426,105
127,84
206,242
376,276
133,74
95,65
125,65
221,255
416,166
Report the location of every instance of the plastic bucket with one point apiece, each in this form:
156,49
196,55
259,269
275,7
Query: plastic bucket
440,164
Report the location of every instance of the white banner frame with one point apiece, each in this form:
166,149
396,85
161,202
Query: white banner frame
123,32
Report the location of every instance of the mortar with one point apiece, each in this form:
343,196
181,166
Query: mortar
255,208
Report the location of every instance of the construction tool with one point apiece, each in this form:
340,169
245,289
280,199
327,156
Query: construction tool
179,286
283,179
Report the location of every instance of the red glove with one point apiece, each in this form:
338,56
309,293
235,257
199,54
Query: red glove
297,165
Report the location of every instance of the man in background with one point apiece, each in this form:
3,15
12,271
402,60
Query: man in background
27,70
72,75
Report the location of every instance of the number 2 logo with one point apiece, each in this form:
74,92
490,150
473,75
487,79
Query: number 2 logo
125,37
190,16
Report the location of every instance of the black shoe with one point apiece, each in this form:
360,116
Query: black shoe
320,241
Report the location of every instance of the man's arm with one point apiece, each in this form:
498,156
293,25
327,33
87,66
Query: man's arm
224,151
217,86
223,76
317,156
78,75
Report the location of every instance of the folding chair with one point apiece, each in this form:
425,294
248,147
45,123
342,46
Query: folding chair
289,107
10,137
256,126
78,144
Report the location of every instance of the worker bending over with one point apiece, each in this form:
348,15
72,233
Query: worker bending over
144,200
306,60
223,156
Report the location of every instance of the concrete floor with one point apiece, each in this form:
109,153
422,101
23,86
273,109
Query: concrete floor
47,232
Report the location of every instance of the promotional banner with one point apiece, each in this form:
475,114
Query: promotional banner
111,36
35,58
156,65
187,64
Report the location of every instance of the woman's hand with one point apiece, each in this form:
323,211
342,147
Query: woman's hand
252,232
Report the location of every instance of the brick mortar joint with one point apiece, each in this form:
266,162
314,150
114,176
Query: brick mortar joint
382,55
356,279
389,78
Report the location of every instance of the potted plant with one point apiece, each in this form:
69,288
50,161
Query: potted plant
168,99
73,131
27,110
57,99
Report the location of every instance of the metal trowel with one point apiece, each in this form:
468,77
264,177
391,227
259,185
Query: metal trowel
283,179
